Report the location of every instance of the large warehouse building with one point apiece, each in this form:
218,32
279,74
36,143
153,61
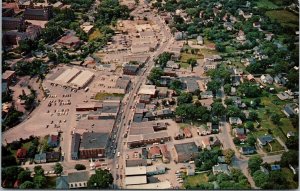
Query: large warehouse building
74,78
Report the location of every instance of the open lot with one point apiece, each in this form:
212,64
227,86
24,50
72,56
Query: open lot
284,17
266,4
193,181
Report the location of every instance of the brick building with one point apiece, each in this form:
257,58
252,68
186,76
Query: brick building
93,145
43,14
12,23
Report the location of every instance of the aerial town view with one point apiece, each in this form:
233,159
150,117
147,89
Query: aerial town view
150,94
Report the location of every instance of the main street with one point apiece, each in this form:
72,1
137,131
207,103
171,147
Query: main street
132,98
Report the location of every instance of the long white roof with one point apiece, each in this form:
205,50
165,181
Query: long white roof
67,75
82,78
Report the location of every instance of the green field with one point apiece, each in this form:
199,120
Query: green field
104,96
184,65
289,176
285,18
266,4
186,56
193,181
274,105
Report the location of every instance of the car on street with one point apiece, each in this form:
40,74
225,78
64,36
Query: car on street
118,154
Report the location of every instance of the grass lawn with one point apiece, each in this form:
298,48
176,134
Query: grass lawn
185,56
207,52
103,96
95,34
274,105
184,65
275,147
284,17
193,181
266,4
289,176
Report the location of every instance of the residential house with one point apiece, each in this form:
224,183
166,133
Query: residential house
240,133
221,160
241,36
291,109
154,152
235,121
78,179
250,78
53,156
256,24
172,64
21,153
162,92
221,168
179,35
62,183
215,128
211,47
58,5
206,95
13,23
43,14
209,65
190,84
238,71
70,41
166,156
9,77
170,72
200,40
263,140
53,140
40,158
290,134
206,143
267,79
145,99
163,113
236,100
185,152
75,146
228,26
187,133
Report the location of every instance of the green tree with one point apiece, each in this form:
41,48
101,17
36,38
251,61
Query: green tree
292,143
38,170
24,176
26,185
254,163
260,179
249,125
155,75
290,157
58,168
227,88
253,116
251,140
184,98
228,153
275,118
39,181
218,109
100,180
192,62
163,58
213,86
80,167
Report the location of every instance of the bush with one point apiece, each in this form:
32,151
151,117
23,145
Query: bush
80,167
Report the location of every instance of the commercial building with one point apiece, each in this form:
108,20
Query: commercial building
151,186
75,146
13,23
9,76
82,79
43,14
185,152
135,180
93,145
135,171
148,90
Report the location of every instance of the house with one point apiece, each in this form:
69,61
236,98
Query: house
166,156
75,146
250,78
256,24
163,113
215,128
209,65
241,36
238,71
130,69
264,170
211,47
9,77
53,140
170,72
40,158
179,135
240,133
53,156
162,92
290,134
87,27
154,152
267,79
58,5
21,153
13,23
172,64
179,35
206,95
70,41
185,152
145,99
236,100
190,84
206,143
62,183
78,179
187,133
200,40
263,140
221,159
228,26
275,167
235,121
93,145
220,168
43,14
291,109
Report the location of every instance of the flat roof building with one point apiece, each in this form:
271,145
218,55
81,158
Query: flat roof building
82,79
152,186
185,152
135,180
136,170
93,145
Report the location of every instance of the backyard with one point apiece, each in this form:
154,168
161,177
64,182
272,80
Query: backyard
193,181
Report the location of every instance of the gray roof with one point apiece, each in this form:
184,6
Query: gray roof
138,117
11,19
34,11
122,82
240,131
289,109
75,143
62,182
80,176
265,139
41,156
248,149
186,148
190,83
92,140
133,68
140,105
221,168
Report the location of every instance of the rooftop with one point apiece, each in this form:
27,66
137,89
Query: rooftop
186,148
135,180
92,140
137,170
79,176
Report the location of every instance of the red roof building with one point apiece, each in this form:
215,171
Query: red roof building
69,41
154,152
21,153
187,132
166,156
